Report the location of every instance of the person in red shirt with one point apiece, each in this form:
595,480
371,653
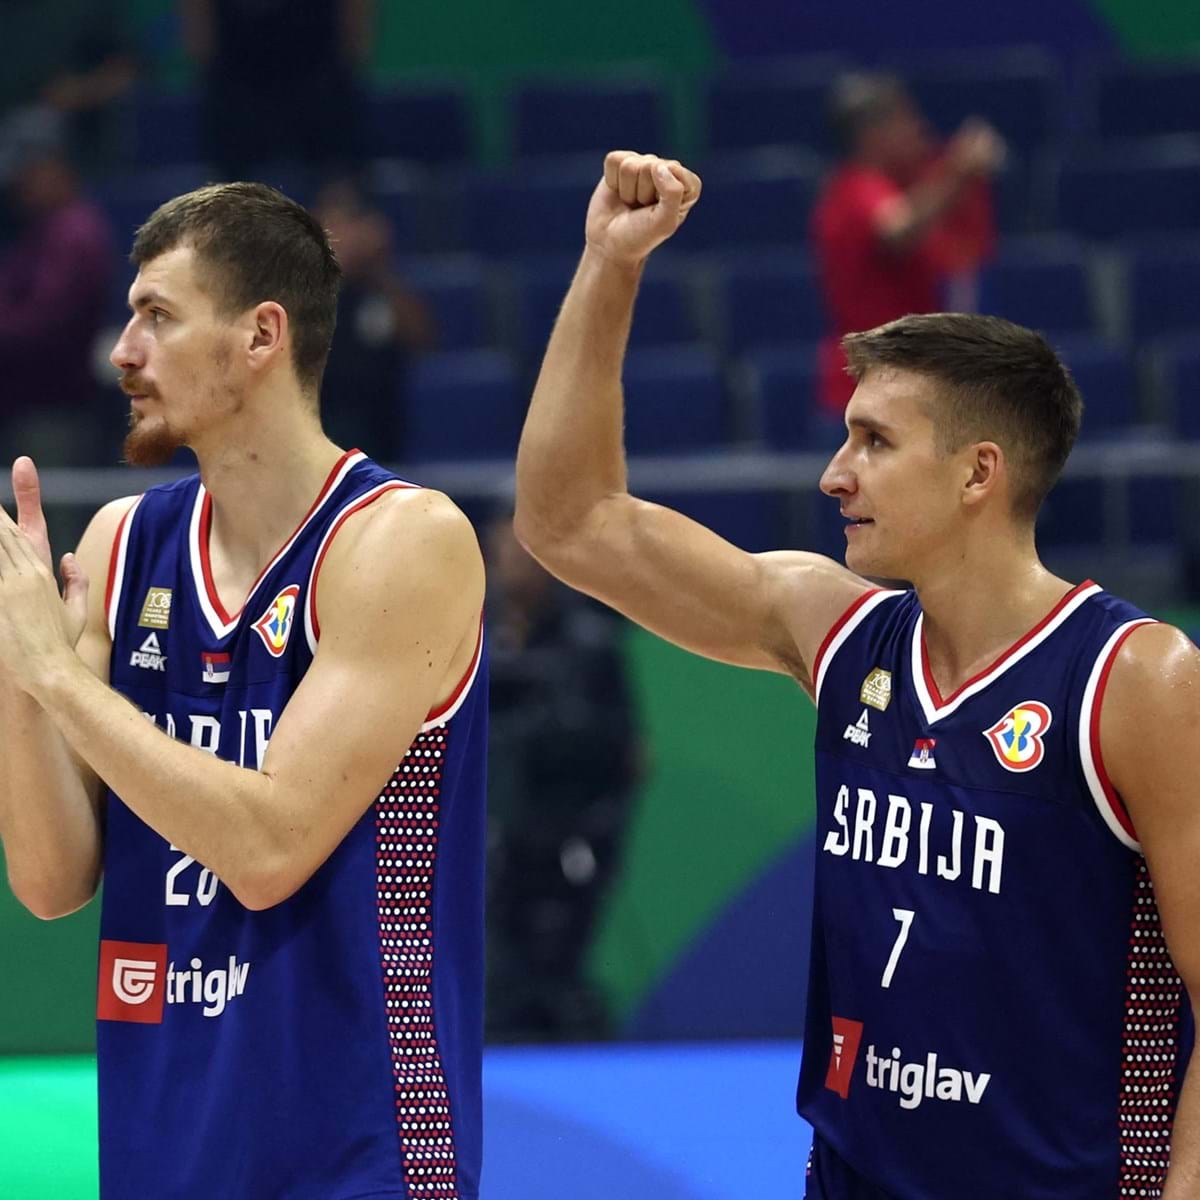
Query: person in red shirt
899,220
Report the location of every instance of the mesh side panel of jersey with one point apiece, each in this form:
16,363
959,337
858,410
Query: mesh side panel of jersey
406,860
1150,1049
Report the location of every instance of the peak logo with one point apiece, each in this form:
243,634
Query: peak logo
136,981
846,1038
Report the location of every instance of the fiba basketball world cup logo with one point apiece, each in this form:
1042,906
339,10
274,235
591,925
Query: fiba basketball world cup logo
133,980
1017,737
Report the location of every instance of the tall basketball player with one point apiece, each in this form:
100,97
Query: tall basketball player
264,723
1007,901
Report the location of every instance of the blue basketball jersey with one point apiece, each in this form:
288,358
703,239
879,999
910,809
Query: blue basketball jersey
992,1009
330,1047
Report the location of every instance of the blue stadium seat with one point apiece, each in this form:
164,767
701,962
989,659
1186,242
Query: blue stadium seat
589,117
755,521
409,200
1163,286
783,389
665,312
465,404
456,290
773,102
768,299
1128,99
1158,511
760,198
129,198
164,128
527,212
1136,188
1073,514
674,401
1179,366
429,124
1019,91
1107,377
1041,282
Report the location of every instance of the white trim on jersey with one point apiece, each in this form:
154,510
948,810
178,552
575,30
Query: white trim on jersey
118,570
222,628
1091,768
934,712
845,625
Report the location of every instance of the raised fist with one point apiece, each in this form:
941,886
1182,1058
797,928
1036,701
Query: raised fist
639,203
977,149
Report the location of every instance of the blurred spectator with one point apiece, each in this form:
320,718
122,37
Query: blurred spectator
279,79
899,220
381,325
73,57
563,762
55,278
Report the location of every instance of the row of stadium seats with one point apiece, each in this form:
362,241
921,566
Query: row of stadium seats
1023,91
469,404
1153,514
739,302
756,198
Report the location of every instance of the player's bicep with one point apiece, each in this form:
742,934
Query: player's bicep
399,608
1150,736
690,586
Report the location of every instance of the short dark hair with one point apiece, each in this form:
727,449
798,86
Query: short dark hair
860,98
1000,382
253,244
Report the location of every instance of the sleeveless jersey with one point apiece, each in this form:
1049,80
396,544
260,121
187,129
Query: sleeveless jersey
992,1009
329,1047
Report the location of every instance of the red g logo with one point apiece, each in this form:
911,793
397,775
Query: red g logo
846,1037
132,982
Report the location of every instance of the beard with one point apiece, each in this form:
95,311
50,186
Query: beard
149,442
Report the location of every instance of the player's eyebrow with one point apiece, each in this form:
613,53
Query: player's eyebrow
870,426
147,300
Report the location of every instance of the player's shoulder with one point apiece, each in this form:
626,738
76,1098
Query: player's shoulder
101,531
401,528
813,595
1155,654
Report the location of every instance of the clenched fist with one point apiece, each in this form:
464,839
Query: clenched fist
639,203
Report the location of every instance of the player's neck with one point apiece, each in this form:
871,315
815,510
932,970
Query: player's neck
263,478
976,611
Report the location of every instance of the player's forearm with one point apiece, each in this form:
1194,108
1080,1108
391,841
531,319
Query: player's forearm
229,822
48,815
1183,1179
928,201
572,450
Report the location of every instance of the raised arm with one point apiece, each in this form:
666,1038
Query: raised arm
1150,739
50,799
574,512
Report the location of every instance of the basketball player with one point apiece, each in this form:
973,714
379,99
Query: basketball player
270,739
997,1006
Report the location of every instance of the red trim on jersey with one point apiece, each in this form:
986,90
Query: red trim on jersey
1110,793
206,527
462,683
837,626
316,571
999,662
114,554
